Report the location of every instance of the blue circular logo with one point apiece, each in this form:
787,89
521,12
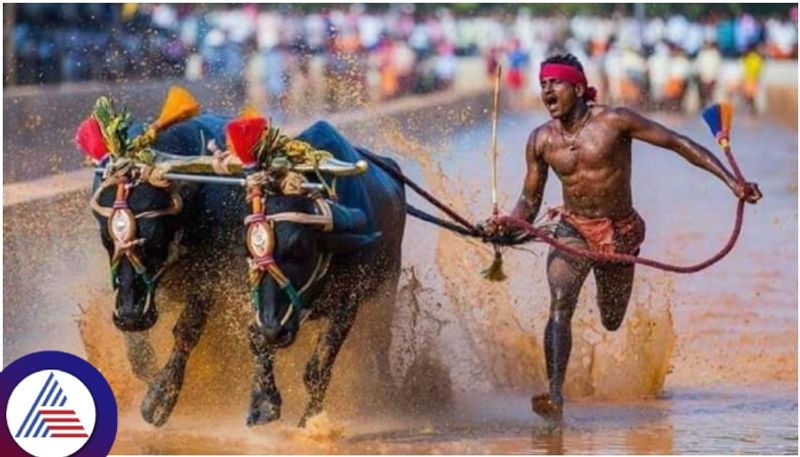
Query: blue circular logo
56,405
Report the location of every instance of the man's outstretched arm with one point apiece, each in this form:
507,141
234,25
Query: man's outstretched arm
530,201
644,129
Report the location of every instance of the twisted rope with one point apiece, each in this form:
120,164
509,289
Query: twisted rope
532,233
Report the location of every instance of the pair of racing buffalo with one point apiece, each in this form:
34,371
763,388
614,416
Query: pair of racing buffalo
315,252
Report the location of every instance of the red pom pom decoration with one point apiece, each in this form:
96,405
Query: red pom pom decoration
90,138
243,134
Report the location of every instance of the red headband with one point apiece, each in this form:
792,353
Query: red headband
569,74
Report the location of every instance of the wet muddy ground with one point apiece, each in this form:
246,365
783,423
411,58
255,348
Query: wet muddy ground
704,363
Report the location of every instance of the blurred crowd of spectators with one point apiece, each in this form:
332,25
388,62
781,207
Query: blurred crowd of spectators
350,51
655,62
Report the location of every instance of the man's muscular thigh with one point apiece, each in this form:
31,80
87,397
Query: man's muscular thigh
565,275
614,287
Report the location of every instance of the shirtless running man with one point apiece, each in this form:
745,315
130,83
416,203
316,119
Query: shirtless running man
588,146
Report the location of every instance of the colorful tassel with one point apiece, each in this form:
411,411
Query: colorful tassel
713,119
495,271
719,118
89,137
249,112
726,114
178,106
243,135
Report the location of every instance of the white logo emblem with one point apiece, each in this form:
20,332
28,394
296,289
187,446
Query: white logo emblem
51,414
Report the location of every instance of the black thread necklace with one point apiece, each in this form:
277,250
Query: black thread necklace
572,141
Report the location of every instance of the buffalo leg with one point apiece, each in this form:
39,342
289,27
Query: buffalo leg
165,388
265,399
141,355
318,370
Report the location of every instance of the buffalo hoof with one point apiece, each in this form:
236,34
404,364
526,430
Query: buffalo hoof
310,412
161,397
263,412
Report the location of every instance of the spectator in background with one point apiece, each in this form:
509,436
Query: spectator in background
419,39
370,28
633,86
654,32
781,38
747,33
677,30
213,53
612,68
388,80
445,68
390,50
680,69
517,64
694,38
275,76
752,66
726,36
492,62
404,60
708,63
658,73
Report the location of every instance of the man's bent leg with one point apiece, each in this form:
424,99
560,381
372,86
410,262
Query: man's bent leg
565,275
614,286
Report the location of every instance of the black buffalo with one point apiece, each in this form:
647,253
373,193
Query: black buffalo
200,220
365,250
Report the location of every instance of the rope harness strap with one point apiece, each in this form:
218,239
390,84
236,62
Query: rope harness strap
527,232
261,246
122,224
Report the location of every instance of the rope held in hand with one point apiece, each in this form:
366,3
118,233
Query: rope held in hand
532,232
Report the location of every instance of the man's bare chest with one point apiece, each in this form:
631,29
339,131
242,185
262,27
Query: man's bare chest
593,150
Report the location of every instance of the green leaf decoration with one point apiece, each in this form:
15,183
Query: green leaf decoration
113,125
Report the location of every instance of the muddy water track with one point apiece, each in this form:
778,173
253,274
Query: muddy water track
701,363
